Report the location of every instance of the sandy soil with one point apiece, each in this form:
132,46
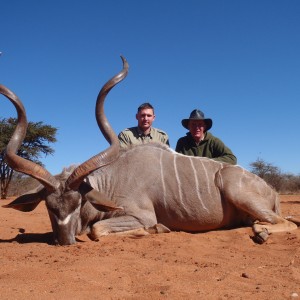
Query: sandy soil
214,265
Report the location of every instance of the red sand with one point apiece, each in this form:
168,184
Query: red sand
213,265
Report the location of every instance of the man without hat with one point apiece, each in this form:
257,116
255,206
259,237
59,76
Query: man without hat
144,132
199,142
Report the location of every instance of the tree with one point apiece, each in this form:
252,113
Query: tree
270,173
281,182
33,146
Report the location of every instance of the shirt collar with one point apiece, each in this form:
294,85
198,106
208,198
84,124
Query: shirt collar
141,133
202,139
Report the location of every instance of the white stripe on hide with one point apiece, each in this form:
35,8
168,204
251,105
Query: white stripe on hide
207,179
162,178
197,183
179,183
177,179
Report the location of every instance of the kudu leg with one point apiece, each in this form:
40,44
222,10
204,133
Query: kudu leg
124,225
262,230
266,221
253,196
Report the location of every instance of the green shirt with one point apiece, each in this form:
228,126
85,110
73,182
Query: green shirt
210,147
134,136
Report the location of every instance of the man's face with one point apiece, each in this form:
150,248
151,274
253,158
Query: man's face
197,129
145,118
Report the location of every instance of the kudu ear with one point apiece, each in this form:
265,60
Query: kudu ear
27,202
96,198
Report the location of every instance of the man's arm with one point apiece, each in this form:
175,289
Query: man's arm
222,153
123,140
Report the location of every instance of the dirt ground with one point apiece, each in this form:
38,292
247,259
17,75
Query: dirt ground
214,265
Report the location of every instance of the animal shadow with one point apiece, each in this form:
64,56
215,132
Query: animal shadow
293,202
26,238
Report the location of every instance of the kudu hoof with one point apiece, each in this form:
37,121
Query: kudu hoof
261,237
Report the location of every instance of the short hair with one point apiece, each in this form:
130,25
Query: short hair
145,105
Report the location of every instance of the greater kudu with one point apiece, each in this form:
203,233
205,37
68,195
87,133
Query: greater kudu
144,189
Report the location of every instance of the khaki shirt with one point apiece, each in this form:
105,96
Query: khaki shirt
134,136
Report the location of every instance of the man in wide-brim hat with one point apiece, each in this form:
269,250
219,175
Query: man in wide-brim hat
199,142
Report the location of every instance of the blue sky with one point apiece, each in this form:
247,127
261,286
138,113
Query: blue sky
238,61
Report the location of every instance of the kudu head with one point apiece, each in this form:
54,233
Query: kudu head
63,195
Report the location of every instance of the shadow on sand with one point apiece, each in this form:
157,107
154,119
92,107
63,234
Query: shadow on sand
25,238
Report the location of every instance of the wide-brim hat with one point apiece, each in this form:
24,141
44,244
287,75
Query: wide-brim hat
197,114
